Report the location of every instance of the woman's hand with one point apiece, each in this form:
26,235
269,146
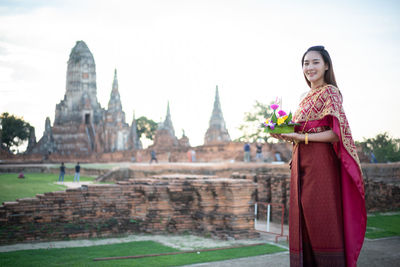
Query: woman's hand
277,136
293,137
326,136
289,137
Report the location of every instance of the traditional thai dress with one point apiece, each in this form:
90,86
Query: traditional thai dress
327,218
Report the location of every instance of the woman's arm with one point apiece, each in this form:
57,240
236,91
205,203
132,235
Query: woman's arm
326,136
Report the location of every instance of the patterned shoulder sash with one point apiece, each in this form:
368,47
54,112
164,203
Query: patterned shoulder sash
327,101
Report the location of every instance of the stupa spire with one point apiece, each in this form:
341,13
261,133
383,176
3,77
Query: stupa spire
115,82
217,132
167,124
114,104
115,114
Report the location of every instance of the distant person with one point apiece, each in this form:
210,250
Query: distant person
278,157
373,158
77,172
259,155
193,155
246,149
153,156
21,175
62,173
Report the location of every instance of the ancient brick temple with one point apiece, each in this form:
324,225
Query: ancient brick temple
85,131
81,126
217,132
165,140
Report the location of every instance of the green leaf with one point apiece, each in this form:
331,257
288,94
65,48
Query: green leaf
289,118
274,118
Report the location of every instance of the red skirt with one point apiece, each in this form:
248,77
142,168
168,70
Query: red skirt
315,215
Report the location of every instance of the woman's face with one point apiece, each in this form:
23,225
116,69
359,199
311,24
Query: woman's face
314,68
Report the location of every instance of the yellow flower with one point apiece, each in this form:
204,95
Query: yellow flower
280,121
285,117
267,121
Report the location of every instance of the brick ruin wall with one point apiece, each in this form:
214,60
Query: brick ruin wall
232,151
381,183
220,207
193,204
382,186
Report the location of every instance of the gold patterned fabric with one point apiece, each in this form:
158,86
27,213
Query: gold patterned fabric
324,101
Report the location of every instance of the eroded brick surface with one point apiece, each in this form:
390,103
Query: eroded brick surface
220,207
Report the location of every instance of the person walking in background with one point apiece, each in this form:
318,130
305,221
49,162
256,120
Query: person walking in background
193,155
246,149
62,172
327,216
373,158
153,156
77,172
259,155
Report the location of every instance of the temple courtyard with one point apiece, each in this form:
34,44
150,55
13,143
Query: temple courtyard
181,205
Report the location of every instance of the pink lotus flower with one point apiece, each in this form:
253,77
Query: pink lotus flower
274,106
281,113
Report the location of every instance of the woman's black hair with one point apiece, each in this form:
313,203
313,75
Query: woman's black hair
329,75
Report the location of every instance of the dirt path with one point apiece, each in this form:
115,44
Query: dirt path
73,184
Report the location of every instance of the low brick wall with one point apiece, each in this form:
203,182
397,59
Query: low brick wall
273,186
220,170
382,188
220,207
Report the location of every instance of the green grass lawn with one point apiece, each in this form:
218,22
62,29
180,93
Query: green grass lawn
83,256
12,188
380,225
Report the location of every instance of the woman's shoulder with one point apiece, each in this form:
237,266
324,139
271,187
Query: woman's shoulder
333,95
332,90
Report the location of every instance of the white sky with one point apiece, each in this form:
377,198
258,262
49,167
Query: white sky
180,50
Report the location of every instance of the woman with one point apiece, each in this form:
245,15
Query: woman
327,218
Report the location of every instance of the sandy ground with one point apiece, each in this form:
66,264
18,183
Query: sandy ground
73,184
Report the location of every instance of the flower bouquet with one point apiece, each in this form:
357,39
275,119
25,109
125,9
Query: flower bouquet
279,123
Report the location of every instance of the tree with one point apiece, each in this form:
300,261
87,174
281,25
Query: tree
385,148
252,128
147,127
13,132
